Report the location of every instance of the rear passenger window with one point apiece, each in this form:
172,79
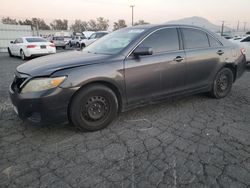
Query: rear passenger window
194,38
213,42
162,40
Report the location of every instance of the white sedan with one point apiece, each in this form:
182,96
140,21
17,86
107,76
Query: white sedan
244,42
95,36
26,47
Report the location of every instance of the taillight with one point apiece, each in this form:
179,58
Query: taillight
31,46
243,51
52,45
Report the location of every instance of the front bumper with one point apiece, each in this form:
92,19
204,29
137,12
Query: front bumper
46,106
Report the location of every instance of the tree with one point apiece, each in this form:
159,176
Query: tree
92,25
141,22
100,24
26,22
79,26
35,23
119,24
59,24
8,20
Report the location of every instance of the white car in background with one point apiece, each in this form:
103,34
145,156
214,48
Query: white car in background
26,47
76,41
244,42
95,36
87,34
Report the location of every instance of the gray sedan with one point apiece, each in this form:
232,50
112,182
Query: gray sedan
123,70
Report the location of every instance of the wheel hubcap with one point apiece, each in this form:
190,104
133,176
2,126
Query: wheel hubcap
222,83
95,108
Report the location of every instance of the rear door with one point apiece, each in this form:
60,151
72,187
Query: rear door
203,55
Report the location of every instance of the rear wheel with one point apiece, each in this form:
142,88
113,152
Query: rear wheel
93,108
23,56
222,83
10,54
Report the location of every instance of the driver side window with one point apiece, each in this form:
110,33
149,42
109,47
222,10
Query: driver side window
18,41
92,36
163,40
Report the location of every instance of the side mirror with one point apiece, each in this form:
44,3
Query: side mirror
11,42
139,51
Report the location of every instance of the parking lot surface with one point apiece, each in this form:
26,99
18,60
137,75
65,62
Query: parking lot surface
196,141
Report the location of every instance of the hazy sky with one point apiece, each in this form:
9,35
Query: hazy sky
153,11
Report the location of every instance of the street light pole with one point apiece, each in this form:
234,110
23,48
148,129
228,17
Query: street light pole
222,28
132,6
245,24
238,25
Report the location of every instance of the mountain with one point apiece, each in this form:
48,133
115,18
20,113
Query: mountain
199,21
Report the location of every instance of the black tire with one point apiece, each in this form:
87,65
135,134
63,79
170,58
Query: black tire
64,47
10,54
78,45
83,46
93,108
222,83
22,54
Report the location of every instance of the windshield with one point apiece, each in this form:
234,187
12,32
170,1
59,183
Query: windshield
115,42
35,40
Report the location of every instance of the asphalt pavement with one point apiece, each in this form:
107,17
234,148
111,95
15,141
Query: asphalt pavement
193,142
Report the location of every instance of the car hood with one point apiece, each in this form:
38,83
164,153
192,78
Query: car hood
48,64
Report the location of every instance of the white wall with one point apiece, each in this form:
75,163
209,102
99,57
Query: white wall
11,32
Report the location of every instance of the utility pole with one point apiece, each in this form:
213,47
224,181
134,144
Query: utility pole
132,6
245,24
37,28
238,25
222,28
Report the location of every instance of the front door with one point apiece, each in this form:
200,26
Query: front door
149,77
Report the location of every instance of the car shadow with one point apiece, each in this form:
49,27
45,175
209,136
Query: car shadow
248,67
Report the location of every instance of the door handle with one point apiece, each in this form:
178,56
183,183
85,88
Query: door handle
178,59
220,52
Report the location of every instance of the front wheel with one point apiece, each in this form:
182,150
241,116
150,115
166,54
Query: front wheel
10,54
222,83
83,45
93,108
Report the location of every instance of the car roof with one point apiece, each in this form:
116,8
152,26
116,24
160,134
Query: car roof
156,26
32,37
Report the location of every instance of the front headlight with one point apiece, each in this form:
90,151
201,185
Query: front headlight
40,84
